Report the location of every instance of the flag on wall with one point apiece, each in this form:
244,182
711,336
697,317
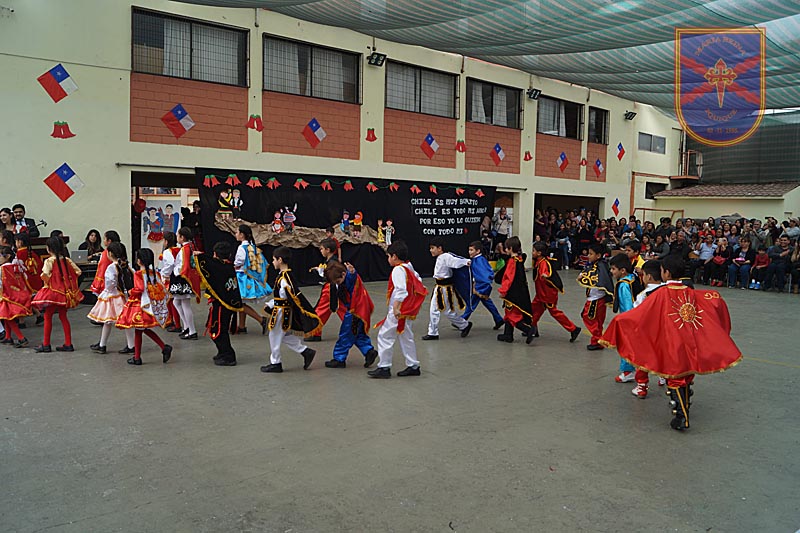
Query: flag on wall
497,154
63,182
562,161
58,83
598,168
178,121
314,133
615,207
620,151
429,146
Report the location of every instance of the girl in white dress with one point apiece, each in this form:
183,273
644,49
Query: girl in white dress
110,302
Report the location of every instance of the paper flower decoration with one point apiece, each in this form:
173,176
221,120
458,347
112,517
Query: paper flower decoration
393,187
371,135
459,191
415,189
479,193
371,187
273,183
348,185
210,180
432,188
300,183
254,182
528,155
326,185
232,180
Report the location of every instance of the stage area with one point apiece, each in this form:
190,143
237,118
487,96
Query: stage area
491,437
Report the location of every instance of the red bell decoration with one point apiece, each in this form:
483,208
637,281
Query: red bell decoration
233,180
300,183
433,189
348,185
528,155
56,130
65,133
371,187
459,191
461,146
584,162
139,205
415,189
210,180
251,122
326,185
273,183
259,124
393,187
254,182
371,135
479,193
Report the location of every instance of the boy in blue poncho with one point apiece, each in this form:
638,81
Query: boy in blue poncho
482,277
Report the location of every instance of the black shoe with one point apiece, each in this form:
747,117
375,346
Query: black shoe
430,338
533,332
409,371
498,325
183,332
241,331
173,329
134,361
314,338
464,333
65,348
505,338
40,320
593,347
187,337
94,346
42,348
334,363
22,343
99,349
7,340
166,353
272,369
380,373
308,356
226,361
574,334
218,357
95,323
126,351
370,357
22,325
264,324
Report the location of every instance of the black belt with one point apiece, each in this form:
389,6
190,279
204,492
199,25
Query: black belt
282,302
444,281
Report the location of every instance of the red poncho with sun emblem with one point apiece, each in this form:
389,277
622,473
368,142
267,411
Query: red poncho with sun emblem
675,332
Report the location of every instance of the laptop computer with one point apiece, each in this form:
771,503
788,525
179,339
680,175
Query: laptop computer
79,256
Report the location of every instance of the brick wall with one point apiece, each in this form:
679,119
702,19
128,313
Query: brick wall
285,116
219,112
404,132
481,139
593,153
548,148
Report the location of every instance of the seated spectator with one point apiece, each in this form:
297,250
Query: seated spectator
780,258
24,224
739,268
792,229
795,259
7,220
660,247
719,263
680,247
759,271
93,245
705,252
733,237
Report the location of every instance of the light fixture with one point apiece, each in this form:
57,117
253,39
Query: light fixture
629,115
376,59
534,94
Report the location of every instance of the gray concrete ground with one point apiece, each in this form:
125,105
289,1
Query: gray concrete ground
491,437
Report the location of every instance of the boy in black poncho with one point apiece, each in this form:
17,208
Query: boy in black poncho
514,292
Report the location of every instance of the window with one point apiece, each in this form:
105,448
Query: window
559,117
307,70
420,90
651,189
492,104
652,143
598,125
181,48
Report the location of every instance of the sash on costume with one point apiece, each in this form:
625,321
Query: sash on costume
219,279
409,308
596,276
298,313
189,271
154,301
99,282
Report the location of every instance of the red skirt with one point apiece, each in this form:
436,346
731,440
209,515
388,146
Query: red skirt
10,310
49,296
133,317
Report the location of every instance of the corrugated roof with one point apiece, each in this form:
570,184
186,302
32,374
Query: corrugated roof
733,190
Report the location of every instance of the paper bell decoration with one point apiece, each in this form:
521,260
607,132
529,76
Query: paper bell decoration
300,183
432,188
461,146
348,185
528,155
415,189
371,187
371,135
273,183
479,193
326,185
459,191
254,182
393,187
584,162
210,180
61,131
255,123
233,180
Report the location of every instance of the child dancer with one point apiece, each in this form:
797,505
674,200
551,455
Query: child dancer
110,303
327,248
32,264
15,296
445,298
596,279
514,292
627,288
482,276
347,292
222,288
99,278
251,273
146,296
183,282
168,256
548,285
290,315
651,276
59,293
405,295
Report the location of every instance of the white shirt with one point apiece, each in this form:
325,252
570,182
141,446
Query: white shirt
178,265
400,291
642,295
111,276
241,257
167,264
445,263
596,294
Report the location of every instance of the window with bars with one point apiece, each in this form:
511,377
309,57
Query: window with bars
307,70
183,48
559,117
598,125
652,188
419,90
652,143
488,103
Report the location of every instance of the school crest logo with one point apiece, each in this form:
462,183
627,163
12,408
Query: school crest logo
720,83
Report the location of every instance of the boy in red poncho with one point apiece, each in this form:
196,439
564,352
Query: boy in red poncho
514,292
548,284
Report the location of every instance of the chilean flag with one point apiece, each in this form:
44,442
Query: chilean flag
615,207
620,151
429,146
314,133
178,121
562,162
64,182
57,83
497,154
598,168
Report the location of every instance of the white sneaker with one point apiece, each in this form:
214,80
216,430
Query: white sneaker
662,382
625,377
640,391
566,268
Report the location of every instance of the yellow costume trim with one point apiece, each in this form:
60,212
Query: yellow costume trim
204,285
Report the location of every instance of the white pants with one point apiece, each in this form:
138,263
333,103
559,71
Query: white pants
386,337
454,316
278,336
183,304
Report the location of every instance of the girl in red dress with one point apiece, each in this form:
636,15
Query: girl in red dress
59,293
146,301
15,296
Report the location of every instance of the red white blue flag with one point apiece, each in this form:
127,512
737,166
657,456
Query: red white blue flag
178,121
615,207
429,146
598,168
58,83
314,133
63,182
620,151
562,162
497,154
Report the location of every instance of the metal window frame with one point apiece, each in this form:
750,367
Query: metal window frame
605,135
418,86
358,57
493,86
244,68
650,148
581,118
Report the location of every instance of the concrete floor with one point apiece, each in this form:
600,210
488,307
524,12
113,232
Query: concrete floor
531,438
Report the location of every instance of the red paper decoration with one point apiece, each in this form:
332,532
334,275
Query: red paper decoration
432,188
210,180
393,187
254,182
139,205
414,189
459,191
371,187
300,183
348,185
61,131
255,123
528,155
233,180
371,135
479,193
461,146
273,183
326,185
584,162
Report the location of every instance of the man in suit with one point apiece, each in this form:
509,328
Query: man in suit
24,225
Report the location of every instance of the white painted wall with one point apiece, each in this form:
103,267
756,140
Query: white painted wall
701,208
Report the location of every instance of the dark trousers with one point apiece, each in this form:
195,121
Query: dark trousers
219,326
776,271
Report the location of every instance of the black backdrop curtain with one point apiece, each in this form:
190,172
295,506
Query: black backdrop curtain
453,212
